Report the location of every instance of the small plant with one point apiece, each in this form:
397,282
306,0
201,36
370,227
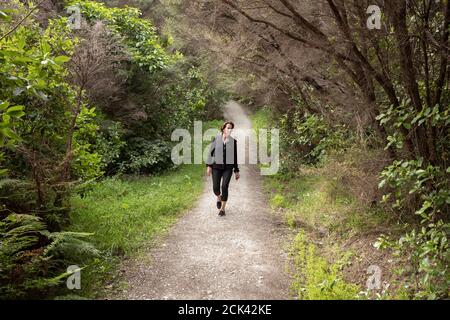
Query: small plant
278,201
314,277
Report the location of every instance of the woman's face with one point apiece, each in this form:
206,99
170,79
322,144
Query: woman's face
228,129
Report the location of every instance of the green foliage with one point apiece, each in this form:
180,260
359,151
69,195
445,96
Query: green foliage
109,143
8,114
314,277
405,117
414,177
32,81
145,156
98,144
33,75
426,246
420,186
181,101
139,34
87,163
427,250
278,201
306,139
54,140
125,213
32,258
164,92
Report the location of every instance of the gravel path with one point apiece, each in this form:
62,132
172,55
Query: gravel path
205,256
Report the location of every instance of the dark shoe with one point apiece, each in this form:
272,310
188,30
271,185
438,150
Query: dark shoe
221,213
219,204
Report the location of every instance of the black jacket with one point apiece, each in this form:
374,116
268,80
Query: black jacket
230,146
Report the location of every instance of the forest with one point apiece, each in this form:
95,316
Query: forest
91,91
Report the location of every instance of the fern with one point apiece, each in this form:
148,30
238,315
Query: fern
33,259
70,245
19,232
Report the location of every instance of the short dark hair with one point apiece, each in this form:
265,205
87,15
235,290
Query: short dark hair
225,125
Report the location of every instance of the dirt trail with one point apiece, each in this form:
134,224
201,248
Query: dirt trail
205,256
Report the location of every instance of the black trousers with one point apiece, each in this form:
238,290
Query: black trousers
224,175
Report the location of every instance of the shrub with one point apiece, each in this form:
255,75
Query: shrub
426,245
306,139
145,156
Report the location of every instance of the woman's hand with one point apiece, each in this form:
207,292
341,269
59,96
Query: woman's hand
238,175
209,171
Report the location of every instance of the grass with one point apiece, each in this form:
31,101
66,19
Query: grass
325,210
314,277
314,200
334,239
307,207
126,216
326,221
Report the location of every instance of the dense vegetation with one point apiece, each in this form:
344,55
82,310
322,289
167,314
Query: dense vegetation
372,102
363,116
76,105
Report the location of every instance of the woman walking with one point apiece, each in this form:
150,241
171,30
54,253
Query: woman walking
222,160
